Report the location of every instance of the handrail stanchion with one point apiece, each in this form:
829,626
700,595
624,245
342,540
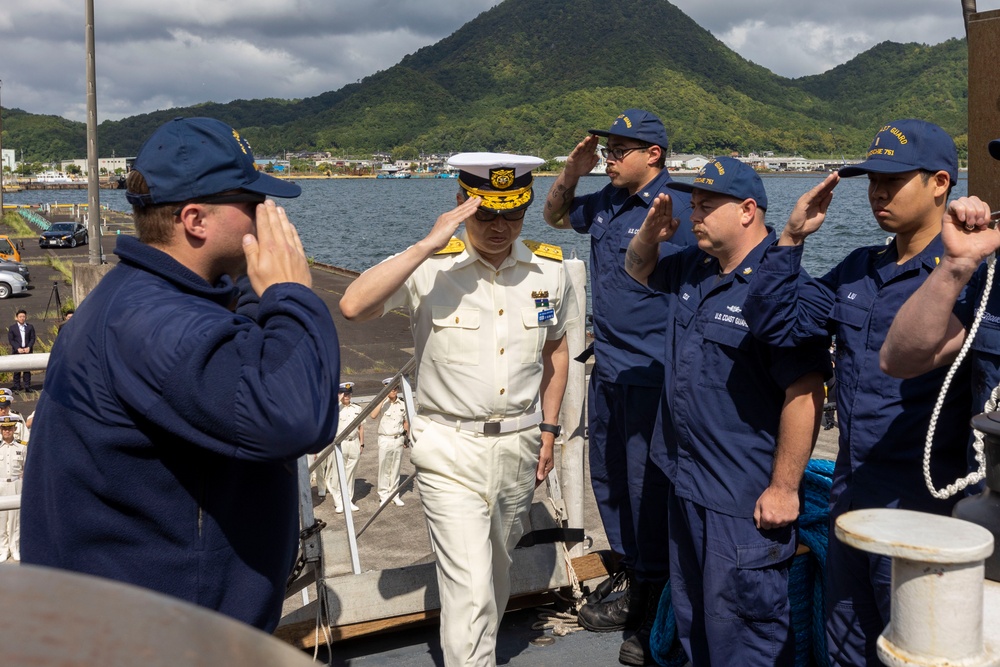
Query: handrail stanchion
572,475
334,447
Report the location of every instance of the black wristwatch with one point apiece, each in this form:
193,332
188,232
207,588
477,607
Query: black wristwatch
554,429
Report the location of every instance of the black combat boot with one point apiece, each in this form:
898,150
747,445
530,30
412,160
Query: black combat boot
635,650
618,581
621,613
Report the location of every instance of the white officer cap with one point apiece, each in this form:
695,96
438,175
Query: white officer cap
503,180
346,387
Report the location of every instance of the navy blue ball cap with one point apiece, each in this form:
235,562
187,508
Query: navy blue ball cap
637,124
908,145
727,176
189,158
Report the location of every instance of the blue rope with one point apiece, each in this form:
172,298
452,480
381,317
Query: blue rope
664,643
814,530
805,582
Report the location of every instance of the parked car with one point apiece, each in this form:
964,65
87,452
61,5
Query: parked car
63,235
11,283
15,267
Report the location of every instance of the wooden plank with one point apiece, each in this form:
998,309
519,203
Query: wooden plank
303,635
589,567
984,111
412,589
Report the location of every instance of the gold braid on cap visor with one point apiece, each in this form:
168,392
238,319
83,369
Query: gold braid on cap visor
500,201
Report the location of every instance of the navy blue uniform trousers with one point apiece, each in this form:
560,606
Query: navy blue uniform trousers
729,587
858,602
631,490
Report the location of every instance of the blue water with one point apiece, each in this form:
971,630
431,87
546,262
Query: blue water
355,223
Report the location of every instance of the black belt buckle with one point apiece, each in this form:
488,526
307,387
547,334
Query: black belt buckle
491,428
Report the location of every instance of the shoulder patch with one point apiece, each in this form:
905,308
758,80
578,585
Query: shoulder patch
545,250
455,246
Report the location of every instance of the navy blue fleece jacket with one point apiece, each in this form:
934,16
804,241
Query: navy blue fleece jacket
165,441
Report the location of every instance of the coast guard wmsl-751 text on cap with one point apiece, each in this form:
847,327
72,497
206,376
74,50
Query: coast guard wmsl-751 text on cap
908,145
727,176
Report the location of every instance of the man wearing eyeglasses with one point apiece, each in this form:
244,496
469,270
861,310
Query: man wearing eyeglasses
489,316
176,404
624,393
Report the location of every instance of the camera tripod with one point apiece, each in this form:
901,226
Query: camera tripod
54,294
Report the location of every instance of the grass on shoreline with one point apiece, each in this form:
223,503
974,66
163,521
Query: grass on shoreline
18,227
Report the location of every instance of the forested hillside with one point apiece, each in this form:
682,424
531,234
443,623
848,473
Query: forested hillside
533,75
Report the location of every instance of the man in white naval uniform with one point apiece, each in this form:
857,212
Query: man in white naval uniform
488,316
12,453
351,446
392,428
6,403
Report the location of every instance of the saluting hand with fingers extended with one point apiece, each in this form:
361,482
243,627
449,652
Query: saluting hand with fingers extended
583,158
275,255
660,223
447,223
809,212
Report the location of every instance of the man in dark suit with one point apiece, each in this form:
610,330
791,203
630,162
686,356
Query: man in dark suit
21,337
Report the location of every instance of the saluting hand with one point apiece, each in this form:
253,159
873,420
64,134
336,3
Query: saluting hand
583,158
966,233
447,223
275,255
809,212
660,223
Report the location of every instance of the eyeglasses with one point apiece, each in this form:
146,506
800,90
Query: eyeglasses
618,154
232,198
482,215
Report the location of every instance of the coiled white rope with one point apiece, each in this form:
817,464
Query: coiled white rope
991,404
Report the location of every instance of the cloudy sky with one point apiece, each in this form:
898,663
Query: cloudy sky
159,55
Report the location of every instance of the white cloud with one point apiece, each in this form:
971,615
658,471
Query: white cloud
157,55
795,38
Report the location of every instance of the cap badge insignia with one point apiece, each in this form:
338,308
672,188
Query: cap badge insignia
501,179
240,141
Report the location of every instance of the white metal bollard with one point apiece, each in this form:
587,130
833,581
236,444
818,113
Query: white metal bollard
937,585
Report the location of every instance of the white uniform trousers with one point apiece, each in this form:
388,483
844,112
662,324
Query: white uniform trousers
331,480
390,456
10,523
476,492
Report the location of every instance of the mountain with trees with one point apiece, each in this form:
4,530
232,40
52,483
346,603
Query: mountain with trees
533,75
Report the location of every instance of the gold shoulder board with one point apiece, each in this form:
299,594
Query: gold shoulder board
546,250
455,246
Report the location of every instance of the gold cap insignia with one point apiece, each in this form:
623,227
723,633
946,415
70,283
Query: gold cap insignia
502,178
